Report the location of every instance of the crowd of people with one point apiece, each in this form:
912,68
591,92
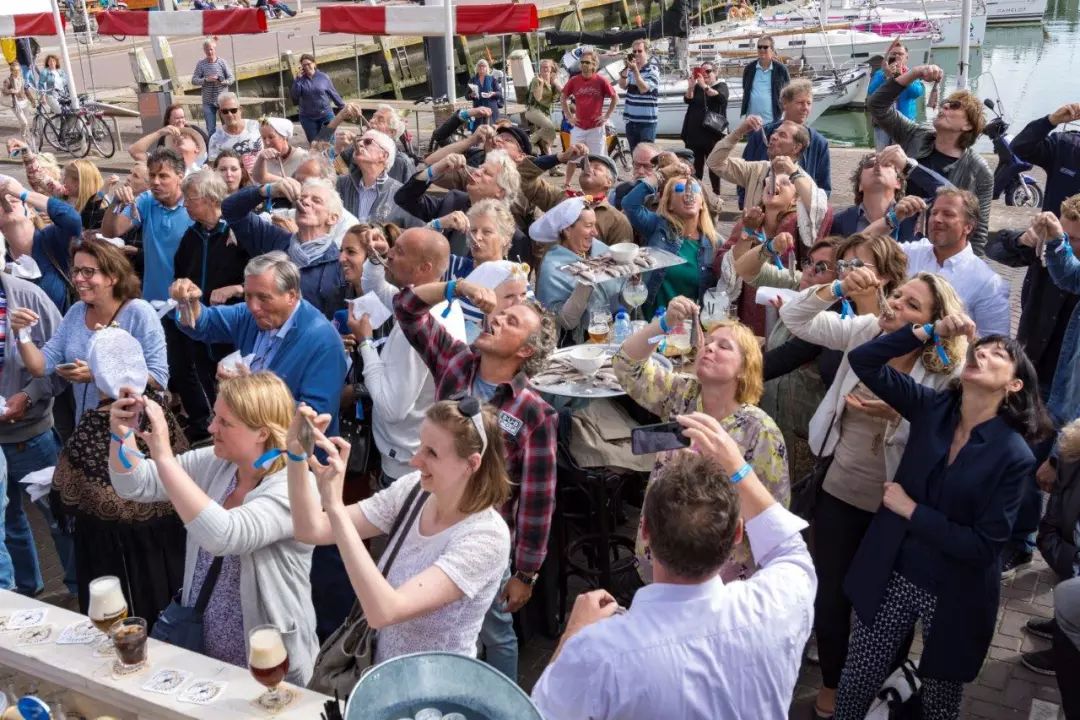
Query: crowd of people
255,354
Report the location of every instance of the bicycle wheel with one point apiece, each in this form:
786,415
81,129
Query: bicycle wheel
72,135
51,132
102,137
37,133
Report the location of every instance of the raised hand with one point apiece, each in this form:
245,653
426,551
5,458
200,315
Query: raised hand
954,326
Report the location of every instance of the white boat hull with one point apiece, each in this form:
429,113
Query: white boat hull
944,25
1003,12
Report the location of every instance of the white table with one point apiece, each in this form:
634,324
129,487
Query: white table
74,667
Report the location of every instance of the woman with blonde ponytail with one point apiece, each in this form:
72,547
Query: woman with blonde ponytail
233,498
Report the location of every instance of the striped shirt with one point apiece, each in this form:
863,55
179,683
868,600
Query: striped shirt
642,107
211,90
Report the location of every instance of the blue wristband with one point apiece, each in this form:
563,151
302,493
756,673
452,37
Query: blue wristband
437,224
837,289
1066,246
23,195
663,325
741,473
449,295
266,190
928,328
430,174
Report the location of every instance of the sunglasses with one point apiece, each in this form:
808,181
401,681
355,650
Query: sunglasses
764,47
815,268
869,162
681,187
590,63
843,266
229,111
951,105
366,142
84,272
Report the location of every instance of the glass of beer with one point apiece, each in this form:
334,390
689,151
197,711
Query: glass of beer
129,637
107,607
599,326
269,663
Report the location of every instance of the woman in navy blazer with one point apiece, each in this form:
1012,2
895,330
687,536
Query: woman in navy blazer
933,550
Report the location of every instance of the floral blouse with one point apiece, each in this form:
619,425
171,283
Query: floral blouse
666,393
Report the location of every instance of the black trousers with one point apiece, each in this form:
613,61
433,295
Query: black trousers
838,529
184,377
1067,666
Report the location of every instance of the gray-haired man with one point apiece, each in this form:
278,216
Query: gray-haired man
212,75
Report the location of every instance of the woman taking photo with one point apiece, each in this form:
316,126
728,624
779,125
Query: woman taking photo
453,557
705,93
681,225
726,385
234,509
933,550
861,437
231,169
570,229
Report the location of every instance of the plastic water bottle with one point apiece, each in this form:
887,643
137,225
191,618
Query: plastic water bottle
622,326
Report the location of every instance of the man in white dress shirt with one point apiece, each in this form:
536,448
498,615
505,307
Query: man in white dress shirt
946,252
691,647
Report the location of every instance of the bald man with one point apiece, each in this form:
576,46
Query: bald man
399,382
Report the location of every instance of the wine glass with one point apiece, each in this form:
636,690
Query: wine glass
714,308
269,663
107,607
635,293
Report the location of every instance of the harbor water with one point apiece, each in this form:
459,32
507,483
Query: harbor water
1035,68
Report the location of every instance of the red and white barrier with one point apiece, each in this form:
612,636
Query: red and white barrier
503,18
28,24
237,21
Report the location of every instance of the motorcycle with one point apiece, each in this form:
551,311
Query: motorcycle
1011,177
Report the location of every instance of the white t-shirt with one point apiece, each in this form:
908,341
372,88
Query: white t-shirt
474,554
247,144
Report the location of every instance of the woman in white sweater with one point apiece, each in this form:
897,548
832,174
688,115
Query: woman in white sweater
865,445
234,501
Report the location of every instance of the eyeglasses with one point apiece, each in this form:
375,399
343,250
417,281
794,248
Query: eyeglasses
951,105
366,141
815,268
84,272
842,266
588,62
681,187
229,111
764,47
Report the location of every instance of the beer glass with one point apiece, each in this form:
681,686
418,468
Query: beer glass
269,663
599,326
107,607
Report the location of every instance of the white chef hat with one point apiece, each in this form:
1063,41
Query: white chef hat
282,126
116,361
557,219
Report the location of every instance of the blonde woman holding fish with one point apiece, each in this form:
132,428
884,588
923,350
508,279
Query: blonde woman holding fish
862,448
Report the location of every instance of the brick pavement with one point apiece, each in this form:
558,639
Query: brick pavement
1004,690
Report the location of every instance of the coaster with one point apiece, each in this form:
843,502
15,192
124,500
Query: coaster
80,633
35,635
105,648
263,702
4,623
121,671
203,692
26,618
166,681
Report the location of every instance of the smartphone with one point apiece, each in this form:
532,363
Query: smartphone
699,72
306,437
656,438
67,366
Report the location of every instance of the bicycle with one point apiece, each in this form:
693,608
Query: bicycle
617,149
79,131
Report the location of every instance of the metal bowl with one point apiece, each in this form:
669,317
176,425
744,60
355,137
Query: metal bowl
401,686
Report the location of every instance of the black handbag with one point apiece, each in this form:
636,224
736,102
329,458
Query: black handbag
713,120
183,626
356,428
805,490
350,650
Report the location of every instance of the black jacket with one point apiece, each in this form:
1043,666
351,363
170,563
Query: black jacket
780,78
1057,529
1058,154
1045,308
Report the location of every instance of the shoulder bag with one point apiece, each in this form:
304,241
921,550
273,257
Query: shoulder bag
183,626
713,120
350,650
805,490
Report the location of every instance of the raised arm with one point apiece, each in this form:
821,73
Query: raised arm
870,363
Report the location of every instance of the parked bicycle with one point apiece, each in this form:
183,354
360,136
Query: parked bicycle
72,131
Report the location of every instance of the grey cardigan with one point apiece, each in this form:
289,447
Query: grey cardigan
274,567
16,378
969,172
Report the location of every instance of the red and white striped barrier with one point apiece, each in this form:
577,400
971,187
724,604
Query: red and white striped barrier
28,24
503,18
237,21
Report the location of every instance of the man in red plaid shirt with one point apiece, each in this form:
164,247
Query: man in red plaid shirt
495,370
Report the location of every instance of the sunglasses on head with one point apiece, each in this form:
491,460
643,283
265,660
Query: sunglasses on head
815,268
842,266
229,111
681,187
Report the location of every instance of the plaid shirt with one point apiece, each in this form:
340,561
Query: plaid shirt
529,427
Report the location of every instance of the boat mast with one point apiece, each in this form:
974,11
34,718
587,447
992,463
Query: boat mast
965,43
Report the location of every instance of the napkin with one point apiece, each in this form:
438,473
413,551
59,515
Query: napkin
116,361
766,295
38,483
234,359
112,241
25,268
370,304
163,307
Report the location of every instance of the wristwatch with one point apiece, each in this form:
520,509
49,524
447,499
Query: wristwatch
527,578
911,164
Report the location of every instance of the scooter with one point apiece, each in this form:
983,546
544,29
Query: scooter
1011,177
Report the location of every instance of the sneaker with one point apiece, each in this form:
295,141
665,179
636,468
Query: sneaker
1041,662
1013,562
1041,627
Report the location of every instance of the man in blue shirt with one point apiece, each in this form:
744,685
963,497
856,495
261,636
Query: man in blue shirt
796,101
641,81
762,82
894,66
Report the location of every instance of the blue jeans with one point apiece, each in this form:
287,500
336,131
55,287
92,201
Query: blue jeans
498,637
209,113
22,459
312,126
637,132
7,570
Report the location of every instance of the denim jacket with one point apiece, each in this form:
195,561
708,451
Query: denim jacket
1064,402
659,233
